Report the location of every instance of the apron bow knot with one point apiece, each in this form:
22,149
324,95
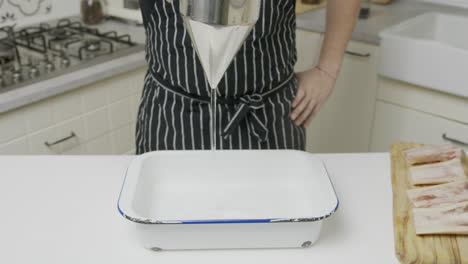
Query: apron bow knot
246,109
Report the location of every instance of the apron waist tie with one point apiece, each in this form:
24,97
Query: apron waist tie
247,107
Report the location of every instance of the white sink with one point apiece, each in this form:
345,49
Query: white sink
430,50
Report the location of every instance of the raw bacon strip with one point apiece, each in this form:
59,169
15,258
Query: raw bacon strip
432,153
452,219
436,173
440,195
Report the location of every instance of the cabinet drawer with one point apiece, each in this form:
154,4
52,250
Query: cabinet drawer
395,123
423,99
66,137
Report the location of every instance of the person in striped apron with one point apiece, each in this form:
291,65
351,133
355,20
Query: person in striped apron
263,104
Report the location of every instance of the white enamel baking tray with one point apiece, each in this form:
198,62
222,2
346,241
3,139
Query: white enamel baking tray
227,199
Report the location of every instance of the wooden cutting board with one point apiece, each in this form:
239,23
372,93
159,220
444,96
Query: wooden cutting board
410,248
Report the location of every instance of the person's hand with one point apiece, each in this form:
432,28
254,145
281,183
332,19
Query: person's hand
314,88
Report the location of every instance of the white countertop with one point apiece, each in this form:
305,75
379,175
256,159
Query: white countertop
63,209
381,17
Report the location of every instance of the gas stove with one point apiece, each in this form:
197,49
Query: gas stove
48,50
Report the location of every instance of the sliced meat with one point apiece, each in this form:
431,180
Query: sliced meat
432,153
451,219
437,173
439,195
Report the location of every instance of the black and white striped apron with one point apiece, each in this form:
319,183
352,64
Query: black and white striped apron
255,94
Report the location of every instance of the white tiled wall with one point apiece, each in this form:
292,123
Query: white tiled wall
102,115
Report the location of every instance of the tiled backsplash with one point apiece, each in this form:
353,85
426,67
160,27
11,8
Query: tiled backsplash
24,12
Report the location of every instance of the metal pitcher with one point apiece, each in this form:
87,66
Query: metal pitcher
222,12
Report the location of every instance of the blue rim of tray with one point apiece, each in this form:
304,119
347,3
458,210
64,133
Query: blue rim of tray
225,221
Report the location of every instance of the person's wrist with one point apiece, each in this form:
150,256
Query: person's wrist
326,73
331,68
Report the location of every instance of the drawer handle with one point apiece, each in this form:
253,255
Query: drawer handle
357,54
456,141
72,135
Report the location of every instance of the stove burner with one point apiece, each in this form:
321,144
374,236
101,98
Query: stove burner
5,60
6,48
92,45
60,33
7,53
1,77
47,48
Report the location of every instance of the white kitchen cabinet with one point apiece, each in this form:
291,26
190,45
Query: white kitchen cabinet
15,147
37,142
101,115
344,123
423,99
308,46
396,123
414,113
